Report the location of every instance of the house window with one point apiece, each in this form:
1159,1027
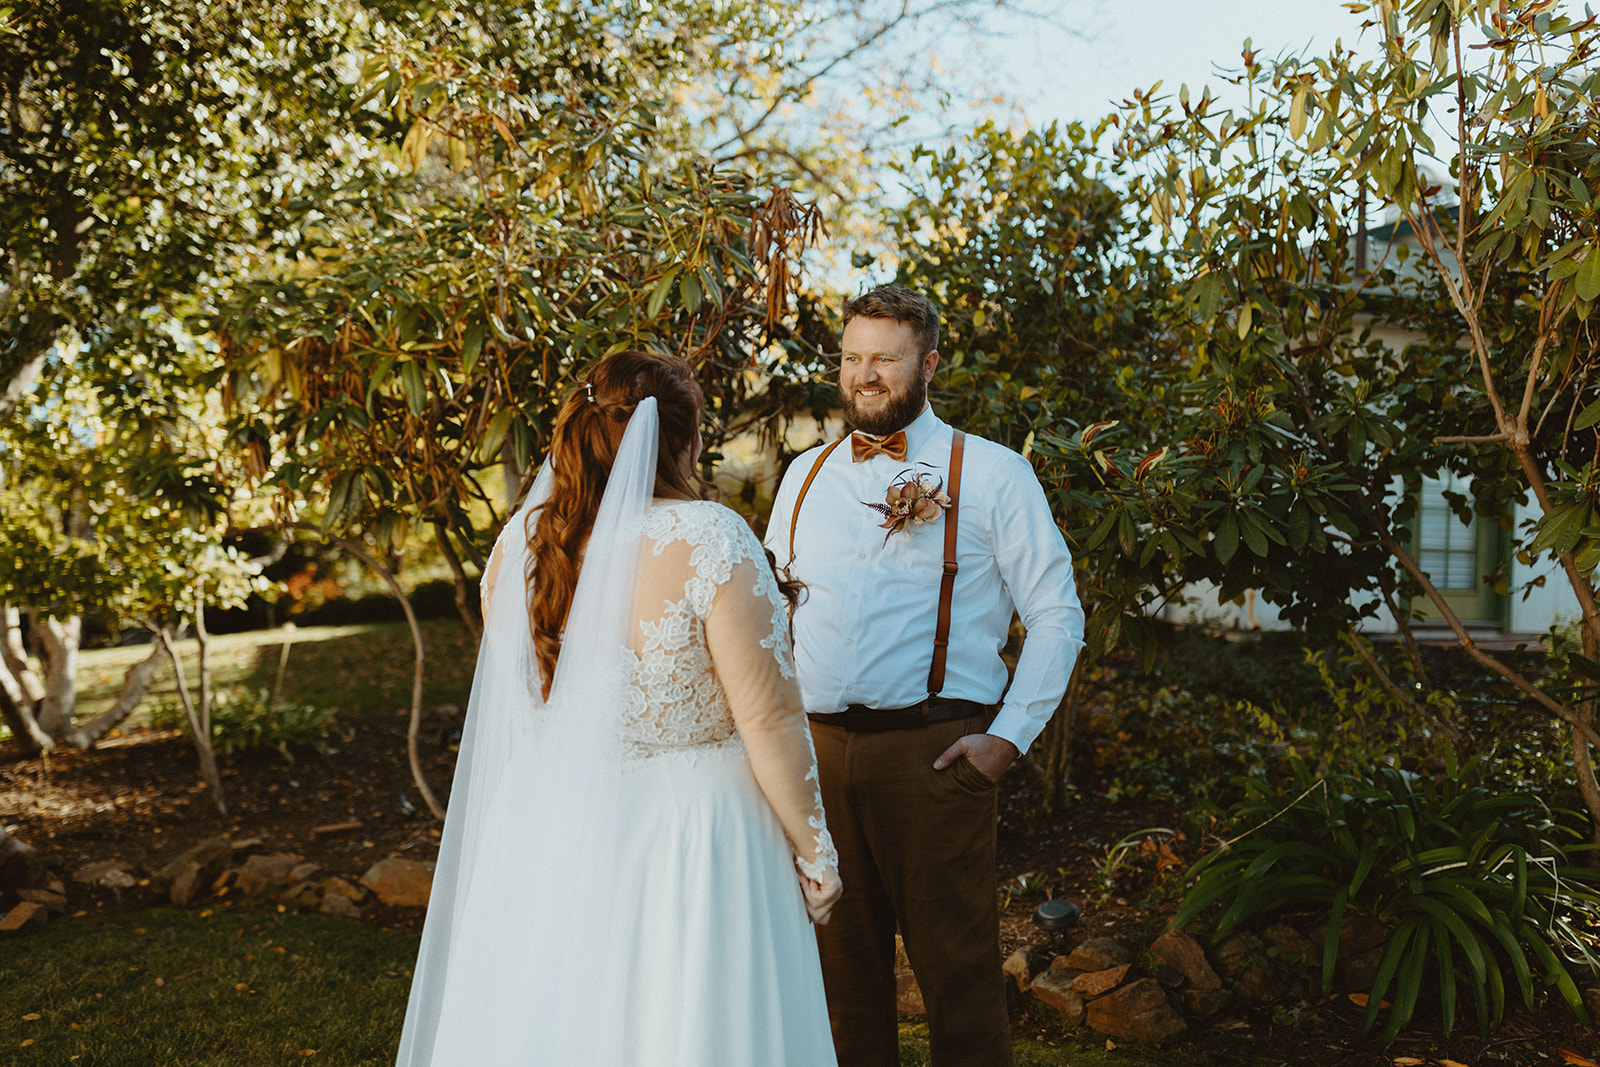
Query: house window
1447,548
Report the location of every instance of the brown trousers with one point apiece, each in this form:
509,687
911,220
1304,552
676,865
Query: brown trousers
917,852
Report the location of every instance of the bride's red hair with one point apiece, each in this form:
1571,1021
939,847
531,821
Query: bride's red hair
583,447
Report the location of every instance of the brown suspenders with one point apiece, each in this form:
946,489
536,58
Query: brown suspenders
947,583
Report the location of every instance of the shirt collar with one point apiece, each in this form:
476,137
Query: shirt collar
921,430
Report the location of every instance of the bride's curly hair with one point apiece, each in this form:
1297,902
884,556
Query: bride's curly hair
583,447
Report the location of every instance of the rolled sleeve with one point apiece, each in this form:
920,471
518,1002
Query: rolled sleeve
1036,567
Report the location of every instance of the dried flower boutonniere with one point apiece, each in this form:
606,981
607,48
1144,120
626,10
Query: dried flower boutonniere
910,498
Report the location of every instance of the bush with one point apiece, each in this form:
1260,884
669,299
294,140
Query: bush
246,718
1472,884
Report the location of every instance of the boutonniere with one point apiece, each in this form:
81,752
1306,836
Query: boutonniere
910,499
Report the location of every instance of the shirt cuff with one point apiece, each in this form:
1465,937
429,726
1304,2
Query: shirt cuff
1015,726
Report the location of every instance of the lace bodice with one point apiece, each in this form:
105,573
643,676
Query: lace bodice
709,664
674,698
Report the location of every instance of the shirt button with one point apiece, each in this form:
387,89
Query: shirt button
852,596
849,640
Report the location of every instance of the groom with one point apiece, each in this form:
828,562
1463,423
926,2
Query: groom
910,599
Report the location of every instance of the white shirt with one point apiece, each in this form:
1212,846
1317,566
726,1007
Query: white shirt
864,632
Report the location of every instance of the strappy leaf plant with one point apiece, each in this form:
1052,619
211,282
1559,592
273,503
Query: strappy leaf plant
1477,888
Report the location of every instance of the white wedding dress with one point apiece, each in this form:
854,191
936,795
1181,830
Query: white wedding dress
679,936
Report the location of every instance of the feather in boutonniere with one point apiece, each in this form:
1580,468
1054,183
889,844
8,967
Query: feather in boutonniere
910,499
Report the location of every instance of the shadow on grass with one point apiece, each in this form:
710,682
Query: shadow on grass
350,669
168,988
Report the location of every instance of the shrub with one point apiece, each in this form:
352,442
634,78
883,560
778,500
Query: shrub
1473,884
245,718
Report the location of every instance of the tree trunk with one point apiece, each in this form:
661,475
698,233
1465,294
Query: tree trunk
15,657
202,740
58,647
21,691
412,754
135,684
465,605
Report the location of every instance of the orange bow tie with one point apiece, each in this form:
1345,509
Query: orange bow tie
893,446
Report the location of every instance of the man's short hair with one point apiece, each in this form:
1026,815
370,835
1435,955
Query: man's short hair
905,306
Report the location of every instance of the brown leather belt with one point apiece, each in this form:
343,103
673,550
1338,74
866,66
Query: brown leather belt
858,718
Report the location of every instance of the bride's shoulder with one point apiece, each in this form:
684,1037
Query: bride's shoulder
701,522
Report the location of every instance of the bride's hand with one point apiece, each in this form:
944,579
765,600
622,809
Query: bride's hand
821,894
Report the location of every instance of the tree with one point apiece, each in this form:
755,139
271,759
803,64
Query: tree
1279,468
143,151
1056,313
115,504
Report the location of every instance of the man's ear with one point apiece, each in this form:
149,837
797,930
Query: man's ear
930,363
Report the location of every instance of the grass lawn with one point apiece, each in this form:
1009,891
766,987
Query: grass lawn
353,669
170,988
167,988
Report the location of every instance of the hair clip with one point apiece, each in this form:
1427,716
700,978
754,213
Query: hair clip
588,389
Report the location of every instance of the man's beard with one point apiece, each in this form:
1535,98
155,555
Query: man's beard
896,415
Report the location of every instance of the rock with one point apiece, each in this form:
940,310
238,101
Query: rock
303,895
56,902
1053,986
1237,952
1357,973
1183,954
400,883
186,878
108,874
338,887
1138,1011
907,993
25,916
1359,934
1292,944
264,875
304,872
1092,984
1018,969
1201,1004
1099,954
188,886
335,904
21,870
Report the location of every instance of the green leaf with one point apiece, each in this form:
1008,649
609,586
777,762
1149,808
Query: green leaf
1587,417
494,435
1226,542
338,500
416,389
1587,279
1253,535
471,346
659,294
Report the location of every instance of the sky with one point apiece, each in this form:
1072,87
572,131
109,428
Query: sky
1055,75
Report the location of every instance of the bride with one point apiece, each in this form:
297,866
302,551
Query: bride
635,836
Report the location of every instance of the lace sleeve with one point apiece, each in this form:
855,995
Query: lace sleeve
491,574
747,634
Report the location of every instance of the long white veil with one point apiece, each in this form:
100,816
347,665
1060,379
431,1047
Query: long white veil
517,942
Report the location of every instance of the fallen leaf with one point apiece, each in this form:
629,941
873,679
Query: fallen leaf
1407,1061
1571,1055
1358,999
161,981
138,931
241,986
32,1015
1450,1063
206,914
26,1042
308,1052
1110,1045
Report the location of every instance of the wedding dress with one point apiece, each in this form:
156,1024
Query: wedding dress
614,887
